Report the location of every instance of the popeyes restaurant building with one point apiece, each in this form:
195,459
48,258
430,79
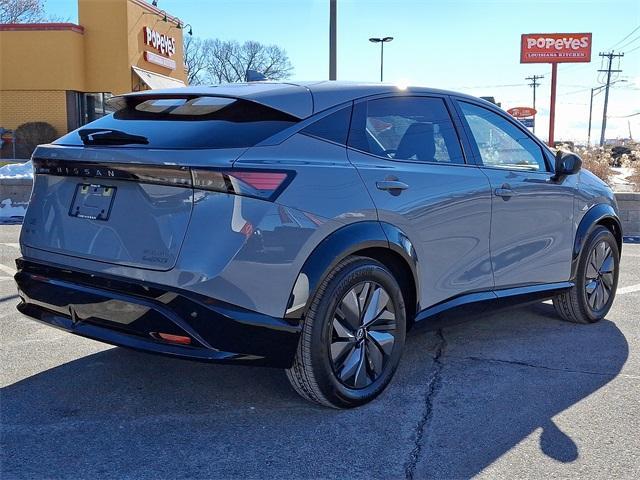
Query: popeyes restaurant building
61,73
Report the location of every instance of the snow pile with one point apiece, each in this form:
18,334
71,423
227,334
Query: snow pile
14,170
619,180
17,170
7,209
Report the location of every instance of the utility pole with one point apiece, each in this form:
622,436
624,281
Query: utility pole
333,37
595,91
609,71
534,83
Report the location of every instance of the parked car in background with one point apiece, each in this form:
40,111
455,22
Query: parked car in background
307,226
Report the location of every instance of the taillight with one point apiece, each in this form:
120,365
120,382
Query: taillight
251,183
262,181
264,184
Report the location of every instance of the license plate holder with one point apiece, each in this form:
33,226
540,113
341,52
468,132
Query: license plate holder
93,202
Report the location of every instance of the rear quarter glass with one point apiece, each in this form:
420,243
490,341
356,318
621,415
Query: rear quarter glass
333,127
182,123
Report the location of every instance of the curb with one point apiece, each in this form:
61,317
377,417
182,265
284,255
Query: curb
629,207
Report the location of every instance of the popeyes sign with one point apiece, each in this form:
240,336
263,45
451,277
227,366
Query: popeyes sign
555,47
161,42
522,112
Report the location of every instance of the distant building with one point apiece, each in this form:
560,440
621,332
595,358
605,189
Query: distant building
616,142
61,73
492,100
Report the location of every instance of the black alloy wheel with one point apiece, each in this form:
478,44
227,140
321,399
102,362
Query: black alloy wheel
353,335
364,332
596,280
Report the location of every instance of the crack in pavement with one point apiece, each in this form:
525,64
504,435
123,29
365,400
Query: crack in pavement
432,389
542,367
435,382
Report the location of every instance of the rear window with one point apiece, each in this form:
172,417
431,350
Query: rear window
185,122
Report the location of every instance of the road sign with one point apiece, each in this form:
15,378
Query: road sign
528,122
522,112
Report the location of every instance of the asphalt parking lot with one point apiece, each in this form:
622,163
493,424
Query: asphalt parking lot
518,394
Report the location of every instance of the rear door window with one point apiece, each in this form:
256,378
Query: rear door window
406,128
183,123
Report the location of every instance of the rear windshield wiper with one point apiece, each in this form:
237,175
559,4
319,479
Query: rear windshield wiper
108,136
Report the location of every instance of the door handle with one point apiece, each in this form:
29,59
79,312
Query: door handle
505,191
391,185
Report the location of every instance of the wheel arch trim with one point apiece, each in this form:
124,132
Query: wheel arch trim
336,247
594,217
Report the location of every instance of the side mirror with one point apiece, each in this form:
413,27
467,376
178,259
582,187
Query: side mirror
567,163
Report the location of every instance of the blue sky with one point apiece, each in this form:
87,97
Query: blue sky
466,45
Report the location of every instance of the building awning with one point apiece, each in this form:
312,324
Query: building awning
155,80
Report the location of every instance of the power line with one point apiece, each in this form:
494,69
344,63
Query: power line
582,90
628,35
626,116
632,50
610,56
633,40
574,92
577,66
493,86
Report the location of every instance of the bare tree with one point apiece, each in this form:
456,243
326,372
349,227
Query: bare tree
26,11
21,11
228,61
195,59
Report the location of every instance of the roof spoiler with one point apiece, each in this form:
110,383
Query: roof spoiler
292,99
254,76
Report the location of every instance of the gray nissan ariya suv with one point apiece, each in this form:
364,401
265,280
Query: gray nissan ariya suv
307,226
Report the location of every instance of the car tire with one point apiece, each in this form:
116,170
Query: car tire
590,299
352,337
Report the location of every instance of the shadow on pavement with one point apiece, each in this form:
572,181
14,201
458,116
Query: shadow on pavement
120,413
505,377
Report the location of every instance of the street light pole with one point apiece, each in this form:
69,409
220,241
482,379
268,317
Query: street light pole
590,112
381,61
333,39
381,41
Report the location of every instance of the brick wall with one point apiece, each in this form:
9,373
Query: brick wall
629,205
18,107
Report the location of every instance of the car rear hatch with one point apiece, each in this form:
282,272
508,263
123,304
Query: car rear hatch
121,189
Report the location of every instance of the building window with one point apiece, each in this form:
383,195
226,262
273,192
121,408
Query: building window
93,106
83,108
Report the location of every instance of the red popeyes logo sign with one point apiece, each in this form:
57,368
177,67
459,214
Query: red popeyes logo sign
522,112
555,47
161,42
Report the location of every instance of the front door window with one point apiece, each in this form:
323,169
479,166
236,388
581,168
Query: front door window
500,143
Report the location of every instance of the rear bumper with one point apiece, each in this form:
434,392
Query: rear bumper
130,313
